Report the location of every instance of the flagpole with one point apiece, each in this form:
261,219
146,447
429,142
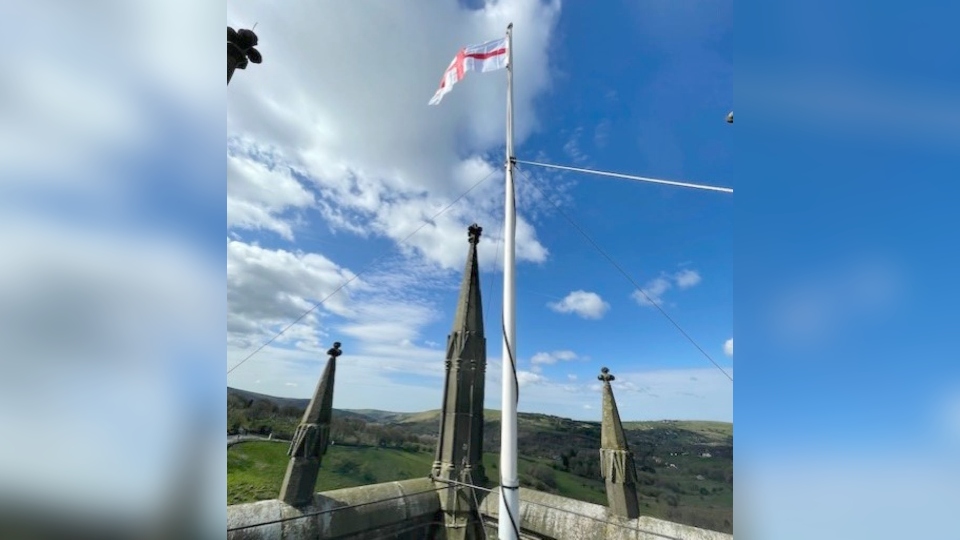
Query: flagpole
509,483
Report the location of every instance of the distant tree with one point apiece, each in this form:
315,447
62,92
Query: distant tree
262,409
646,479
544,474
290,410
653,444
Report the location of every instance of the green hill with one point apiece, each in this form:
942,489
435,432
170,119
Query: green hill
685,468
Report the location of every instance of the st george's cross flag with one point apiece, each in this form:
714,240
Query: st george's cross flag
489,56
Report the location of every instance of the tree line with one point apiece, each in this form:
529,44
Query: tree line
266,418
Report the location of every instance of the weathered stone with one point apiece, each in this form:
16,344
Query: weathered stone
405,509
460,443
616,460
545,516
411,507
311,439
435,509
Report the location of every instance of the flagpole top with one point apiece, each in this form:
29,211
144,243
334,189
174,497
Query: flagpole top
510,26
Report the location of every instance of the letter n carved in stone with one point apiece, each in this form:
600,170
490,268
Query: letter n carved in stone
309,441
615,465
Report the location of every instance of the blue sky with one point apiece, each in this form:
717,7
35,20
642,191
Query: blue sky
861,187
648,96
844,224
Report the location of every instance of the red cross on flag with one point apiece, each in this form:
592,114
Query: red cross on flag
489,56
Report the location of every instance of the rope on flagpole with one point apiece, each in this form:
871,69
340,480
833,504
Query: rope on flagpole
628,176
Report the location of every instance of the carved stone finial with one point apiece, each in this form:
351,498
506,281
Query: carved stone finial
474,233
605,375
241,50
335,351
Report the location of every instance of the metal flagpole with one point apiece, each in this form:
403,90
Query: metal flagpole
509,515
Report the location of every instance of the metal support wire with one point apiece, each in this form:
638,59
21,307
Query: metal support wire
394,533
628,176
624,273
476,504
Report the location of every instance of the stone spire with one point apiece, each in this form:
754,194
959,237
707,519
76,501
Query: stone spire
459,456
616,460
311,439
469,314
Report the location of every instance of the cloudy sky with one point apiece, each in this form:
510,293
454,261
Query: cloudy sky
112,200
334,159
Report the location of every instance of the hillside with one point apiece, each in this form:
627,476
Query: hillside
685,468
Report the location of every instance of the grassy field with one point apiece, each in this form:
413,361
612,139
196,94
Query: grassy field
684,468
255,470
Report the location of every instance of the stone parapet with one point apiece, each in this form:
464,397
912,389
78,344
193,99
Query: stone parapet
411,509
551,517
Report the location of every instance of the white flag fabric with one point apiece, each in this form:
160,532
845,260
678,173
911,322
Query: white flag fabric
489,56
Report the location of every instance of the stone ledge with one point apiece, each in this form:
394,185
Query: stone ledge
548,516
419,506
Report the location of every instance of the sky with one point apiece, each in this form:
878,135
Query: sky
112,204
334,160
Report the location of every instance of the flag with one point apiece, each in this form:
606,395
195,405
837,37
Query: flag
489,56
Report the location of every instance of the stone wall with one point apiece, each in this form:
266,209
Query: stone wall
416,515
546,516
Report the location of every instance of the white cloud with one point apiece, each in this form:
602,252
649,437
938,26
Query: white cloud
527,378
366,374
268,289
687,278
358,127
257,195
572,147
728,347
571,377
379,320
548,358
97,294
601,133
105,317
90,319
43,87
588,305
674,394
652,292
387,322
